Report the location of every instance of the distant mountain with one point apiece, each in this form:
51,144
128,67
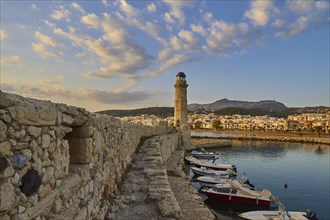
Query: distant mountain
268,105
158,111
225,107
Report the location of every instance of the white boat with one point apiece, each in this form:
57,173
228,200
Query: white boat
236,193
215,166
210,181
203,154
281,214
203,171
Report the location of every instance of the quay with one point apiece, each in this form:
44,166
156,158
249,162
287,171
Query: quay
155,189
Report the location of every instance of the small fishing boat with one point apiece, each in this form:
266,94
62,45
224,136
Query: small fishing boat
281,214
210,181
233,192
215,166
203,171
203,154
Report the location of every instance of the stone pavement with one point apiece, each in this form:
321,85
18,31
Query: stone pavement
191,204
153,189
145,192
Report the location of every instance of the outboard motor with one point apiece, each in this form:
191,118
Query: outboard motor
311,215
247,182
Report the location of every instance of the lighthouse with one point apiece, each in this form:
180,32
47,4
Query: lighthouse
181,109
180,101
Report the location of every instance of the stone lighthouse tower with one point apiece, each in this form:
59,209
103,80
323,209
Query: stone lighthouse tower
181,108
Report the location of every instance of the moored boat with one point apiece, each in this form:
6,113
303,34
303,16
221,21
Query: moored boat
215,166
237,193
203,154
210,181
281,214
202,171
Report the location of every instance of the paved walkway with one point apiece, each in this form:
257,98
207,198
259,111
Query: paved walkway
191,204
145,192
155,190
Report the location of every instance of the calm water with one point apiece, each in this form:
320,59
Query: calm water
304,167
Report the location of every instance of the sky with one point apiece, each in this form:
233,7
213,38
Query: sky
121,54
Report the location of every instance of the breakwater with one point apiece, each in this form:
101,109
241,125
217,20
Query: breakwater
63,162
262,138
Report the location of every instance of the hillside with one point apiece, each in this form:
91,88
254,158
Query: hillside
224,107
158,111
268,105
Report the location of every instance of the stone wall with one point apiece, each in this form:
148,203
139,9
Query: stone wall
63,162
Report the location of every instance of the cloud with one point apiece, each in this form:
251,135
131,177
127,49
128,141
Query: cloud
225,37
322,5
90,20
78,7
44,88
111,97
105,3
299,5
175,15
173,61
3,35
127,8
49,24
45,39
43,50
151,8
60,14
298,26
117,52
306,17
259,13
198,29
43,44
34,7
11,59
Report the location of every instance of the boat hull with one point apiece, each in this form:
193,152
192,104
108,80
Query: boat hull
239,199
202,173
265,215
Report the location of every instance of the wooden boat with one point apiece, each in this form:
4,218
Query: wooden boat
203,154
281,214
215,166
202,171
233,192
210,181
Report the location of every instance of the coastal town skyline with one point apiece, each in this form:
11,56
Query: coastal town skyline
125,54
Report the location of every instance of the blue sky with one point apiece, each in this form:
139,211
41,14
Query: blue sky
125,54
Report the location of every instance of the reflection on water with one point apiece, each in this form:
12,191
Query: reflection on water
304,168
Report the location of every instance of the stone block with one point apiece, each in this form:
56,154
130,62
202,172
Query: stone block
5,148
3,131
43,207
82,132
169,207
81,150
7,196
70,185
32,112
34,131
45,141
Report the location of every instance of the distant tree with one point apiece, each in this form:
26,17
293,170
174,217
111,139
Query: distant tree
216,124
299,130
318,130
198,125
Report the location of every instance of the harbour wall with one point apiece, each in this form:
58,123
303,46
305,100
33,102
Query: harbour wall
63,162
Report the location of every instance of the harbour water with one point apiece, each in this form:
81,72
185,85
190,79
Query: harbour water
304,168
